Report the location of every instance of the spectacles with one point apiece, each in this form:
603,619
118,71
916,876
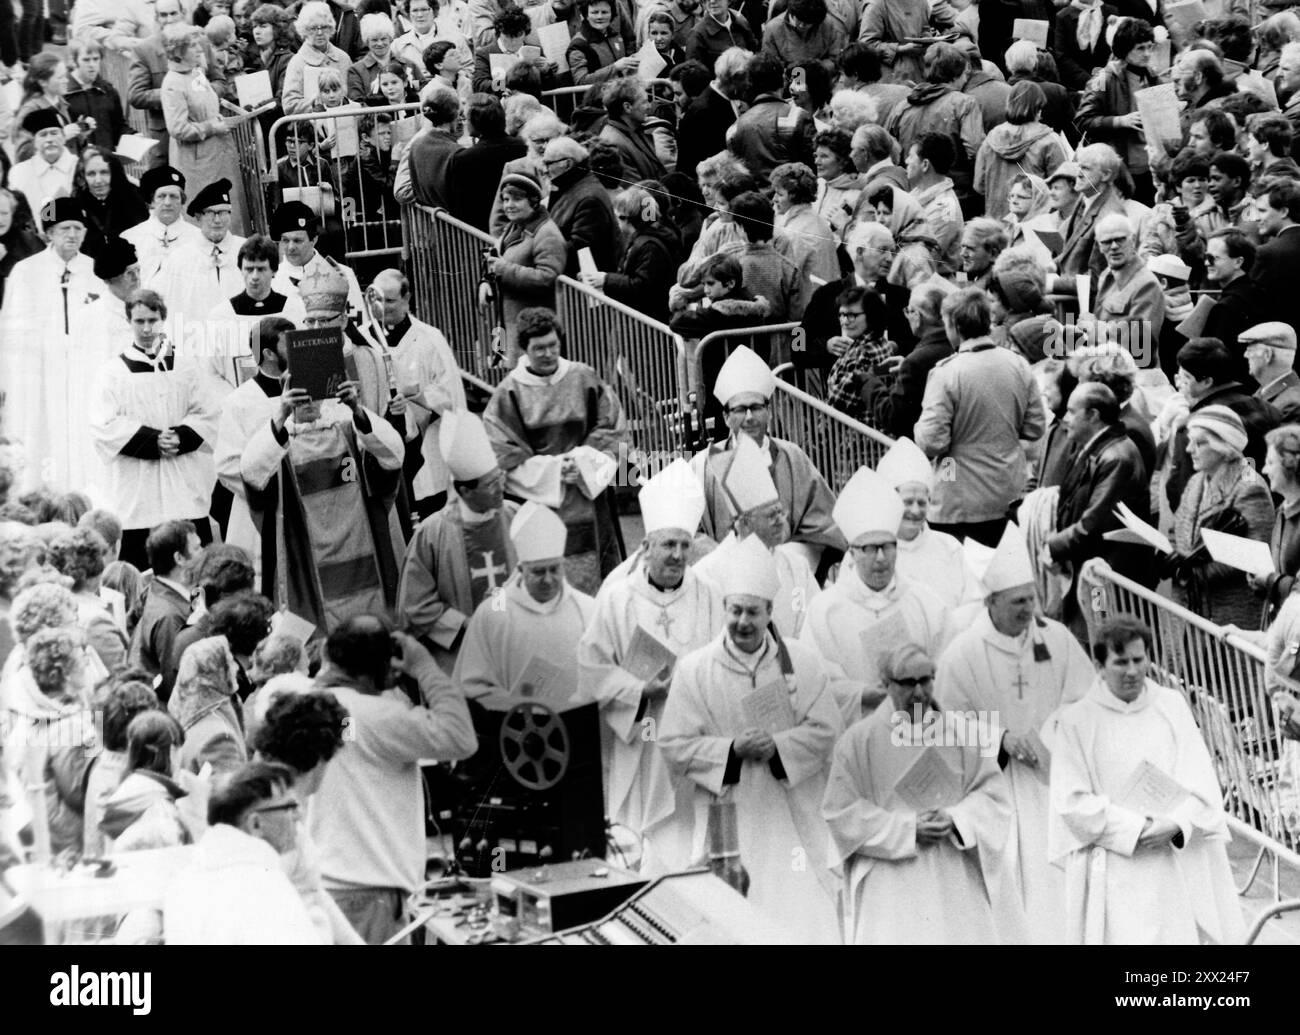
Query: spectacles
1113,242
853,315
739,411
912,682
284,806
874,548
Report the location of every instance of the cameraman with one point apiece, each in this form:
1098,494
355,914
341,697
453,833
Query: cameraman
367,819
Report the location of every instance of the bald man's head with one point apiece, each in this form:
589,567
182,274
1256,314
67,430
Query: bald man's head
390,297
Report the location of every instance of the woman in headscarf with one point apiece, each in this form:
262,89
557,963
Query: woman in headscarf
1228,495
1029,207
101,186
917,257
204,703
18,240
650,255
1021,145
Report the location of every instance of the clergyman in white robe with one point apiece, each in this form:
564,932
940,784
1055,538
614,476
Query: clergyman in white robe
641,792
778,803
47,374
838,616
509,631
897,891
798,586
1019,684
1118,892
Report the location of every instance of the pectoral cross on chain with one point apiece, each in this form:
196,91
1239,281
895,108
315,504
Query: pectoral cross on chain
1020,684
488,571
664,622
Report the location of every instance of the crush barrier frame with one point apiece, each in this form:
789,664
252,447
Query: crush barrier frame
1221,674
362,238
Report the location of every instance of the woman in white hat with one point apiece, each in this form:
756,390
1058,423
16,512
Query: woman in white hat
1225,494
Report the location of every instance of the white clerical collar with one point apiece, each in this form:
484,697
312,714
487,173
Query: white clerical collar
765,446
1003,642
515,591
473,517
1101,693
749,662
526,377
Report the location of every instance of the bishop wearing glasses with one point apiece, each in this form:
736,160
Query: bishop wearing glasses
745,387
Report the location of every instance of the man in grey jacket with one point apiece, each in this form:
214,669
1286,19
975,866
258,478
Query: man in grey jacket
979,406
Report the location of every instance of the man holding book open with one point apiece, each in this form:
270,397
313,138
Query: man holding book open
1137,812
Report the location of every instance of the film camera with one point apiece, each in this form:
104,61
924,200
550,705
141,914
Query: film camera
532,793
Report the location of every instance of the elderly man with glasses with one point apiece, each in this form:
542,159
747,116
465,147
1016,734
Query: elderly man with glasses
580,206
870,607
1130,304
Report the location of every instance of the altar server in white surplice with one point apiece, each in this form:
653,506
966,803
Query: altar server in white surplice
934,559
751,717
919,819
462,555
1137,812
428,384
44,374
526,642
1019,669
661,611
154,427
761,513
870,608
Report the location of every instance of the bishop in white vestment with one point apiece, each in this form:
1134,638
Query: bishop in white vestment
871,608
1137,812
761,513
664,611
933,559
525,643
924,859
1018,669
751,716
45,373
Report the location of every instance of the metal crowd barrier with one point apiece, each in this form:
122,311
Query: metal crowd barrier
444,258
247,136
836,443
564,99
1222,676
642,358
356,211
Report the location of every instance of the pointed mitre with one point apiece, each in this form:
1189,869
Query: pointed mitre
464,444
905,463
749,568
867,504
673,498
749,479
1010,565
743,372
538,533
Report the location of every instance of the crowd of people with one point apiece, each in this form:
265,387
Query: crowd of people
1073,328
